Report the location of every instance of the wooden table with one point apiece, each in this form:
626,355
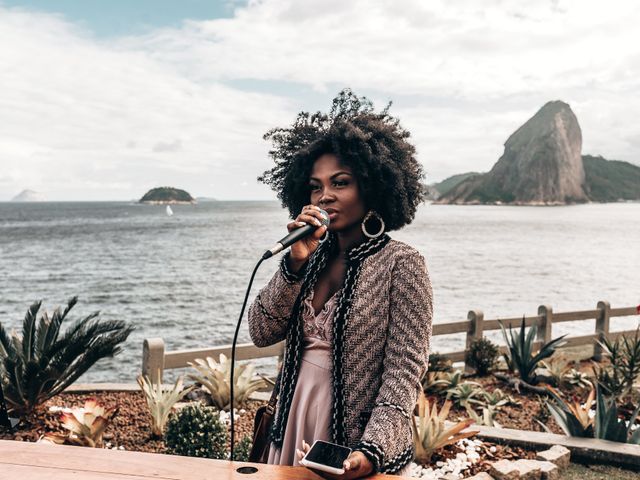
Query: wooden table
29,461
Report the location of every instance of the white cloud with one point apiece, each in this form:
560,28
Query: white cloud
463,76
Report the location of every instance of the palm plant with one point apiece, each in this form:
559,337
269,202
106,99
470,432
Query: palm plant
430,432
215,377
161,402
521,354
42,362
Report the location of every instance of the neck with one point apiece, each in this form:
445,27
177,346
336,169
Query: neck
349,238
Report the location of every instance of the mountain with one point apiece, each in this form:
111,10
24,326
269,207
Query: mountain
611,180
29,196
166,195
447,184
541,165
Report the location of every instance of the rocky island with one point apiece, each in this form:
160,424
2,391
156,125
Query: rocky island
29,196
167,196
542,164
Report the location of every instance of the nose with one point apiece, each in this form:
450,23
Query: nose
325,198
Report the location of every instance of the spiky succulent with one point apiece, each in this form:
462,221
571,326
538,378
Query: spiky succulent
160,401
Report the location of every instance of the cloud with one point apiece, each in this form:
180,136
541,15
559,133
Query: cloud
174,146
190,104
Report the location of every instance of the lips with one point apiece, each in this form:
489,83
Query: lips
333,213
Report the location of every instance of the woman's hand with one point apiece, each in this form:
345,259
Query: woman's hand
357,465
303,248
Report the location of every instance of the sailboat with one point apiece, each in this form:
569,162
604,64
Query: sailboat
169,211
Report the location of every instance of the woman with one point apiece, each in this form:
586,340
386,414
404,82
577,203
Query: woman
354,305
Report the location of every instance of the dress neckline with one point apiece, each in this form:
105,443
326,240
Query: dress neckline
325,308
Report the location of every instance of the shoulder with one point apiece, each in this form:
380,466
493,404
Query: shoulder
399,252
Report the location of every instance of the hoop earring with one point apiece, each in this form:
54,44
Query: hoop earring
372,213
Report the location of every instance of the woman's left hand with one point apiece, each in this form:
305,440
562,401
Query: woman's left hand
357,465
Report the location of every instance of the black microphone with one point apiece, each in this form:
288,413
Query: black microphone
295,235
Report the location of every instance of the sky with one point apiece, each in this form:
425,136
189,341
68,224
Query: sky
105,100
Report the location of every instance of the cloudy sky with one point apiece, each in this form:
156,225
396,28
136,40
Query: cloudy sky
104,100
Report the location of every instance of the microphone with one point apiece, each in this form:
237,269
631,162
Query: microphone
294,236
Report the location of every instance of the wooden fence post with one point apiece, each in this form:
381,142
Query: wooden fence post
544,328
153,358
474,332
602,328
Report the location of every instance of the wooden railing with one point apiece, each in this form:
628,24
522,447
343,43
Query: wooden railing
155,359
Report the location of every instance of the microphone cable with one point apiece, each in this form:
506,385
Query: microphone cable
233,353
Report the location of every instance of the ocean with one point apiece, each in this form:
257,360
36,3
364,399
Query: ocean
183,277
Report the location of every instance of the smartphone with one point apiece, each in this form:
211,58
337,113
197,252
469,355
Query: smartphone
326,456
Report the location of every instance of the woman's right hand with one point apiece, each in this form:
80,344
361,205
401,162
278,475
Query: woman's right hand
304,248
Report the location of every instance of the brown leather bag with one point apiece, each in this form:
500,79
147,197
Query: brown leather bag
261,425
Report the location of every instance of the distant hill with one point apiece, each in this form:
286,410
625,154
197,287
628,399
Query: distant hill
611,180
167,195
29,196
447,184
541,165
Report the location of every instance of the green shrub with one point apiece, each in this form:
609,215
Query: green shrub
439,363
196,431
42,362
242,449
482,356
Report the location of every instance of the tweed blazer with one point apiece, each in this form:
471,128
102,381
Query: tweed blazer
380,349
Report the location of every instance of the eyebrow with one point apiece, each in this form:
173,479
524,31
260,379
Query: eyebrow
342,172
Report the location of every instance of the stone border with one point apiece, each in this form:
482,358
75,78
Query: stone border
588,450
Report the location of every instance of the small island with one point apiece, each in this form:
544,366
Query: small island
167,196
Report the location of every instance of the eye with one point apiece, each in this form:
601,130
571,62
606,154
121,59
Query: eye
341,183
313,187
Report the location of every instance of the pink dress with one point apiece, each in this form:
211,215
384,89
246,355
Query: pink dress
310,413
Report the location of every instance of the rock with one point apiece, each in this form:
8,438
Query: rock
504,470
529,469
541,165
557,454
549,471
481,476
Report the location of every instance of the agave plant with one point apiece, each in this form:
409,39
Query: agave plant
557,367
449,380
430,432
487,418
86,425
464,393
610,380
42,362
431,382
577,379
573,418
624,355
521,355
215,377
495,400
161,402
608,425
